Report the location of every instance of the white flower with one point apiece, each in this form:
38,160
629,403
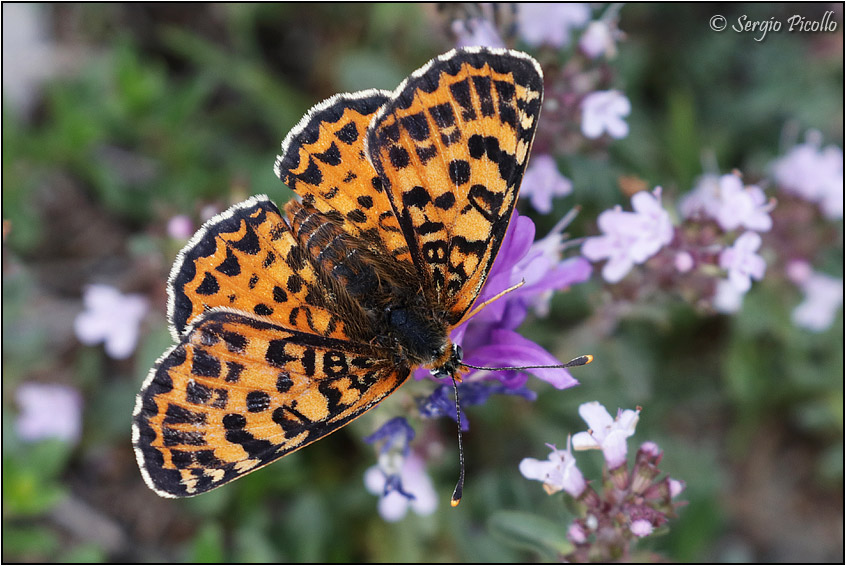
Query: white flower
576,534
676,487
598,40
813,174
650,449
823,298
603,111
475,32
727,201
703,198
48,411
414,482
741,206
742,263
727,299
542,181
641,528
683,261
558,472
111,317
606,433
630,238
656,228
551,23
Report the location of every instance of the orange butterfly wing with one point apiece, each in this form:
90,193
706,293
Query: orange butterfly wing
239,392
451,147
272,313
247,259
323,161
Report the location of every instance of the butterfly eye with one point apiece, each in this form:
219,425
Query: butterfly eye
457,354
440,373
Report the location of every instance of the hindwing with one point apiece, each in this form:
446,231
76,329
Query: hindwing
238,392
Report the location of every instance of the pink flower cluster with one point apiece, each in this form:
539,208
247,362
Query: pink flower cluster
630,238
633,502
810,177
688,258
814,174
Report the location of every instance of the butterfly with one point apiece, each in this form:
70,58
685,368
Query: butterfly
291,323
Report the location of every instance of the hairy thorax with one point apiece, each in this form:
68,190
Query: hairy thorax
419,337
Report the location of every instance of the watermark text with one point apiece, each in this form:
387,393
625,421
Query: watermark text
760,28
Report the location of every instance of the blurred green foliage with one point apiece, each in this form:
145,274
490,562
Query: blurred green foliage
171,108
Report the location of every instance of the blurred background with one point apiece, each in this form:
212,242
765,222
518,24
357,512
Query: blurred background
125,126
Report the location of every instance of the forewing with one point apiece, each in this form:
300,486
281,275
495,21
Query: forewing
238,392
323,161
451,146
247,259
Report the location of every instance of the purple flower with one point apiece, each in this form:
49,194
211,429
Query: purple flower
394,436
488,339
630,238
813,174
558,472
48,411
823,298
542,182
603,111
400,485
551,23
111,317
538,264
606,433
742,263
506,348
475,32
399,477
727,201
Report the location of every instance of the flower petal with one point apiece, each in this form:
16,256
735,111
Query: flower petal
509,348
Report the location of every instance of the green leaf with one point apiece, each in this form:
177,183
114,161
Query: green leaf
530,532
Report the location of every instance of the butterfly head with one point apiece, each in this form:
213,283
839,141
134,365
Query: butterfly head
451,366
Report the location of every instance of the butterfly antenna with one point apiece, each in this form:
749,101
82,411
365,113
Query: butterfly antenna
492,299
459,487
580,361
